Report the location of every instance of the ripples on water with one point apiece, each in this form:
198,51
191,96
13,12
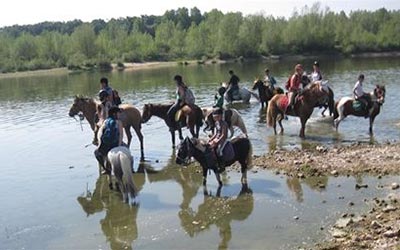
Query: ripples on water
52,196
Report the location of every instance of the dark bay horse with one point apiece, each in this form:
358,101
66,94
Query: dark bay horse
130,117
265,93
344,107
196,148
303,108
193,119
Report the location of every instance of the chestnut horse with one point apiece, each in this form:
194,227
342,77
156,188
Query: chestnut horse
265,93
193,119
325,102
130,117
344,107
303,107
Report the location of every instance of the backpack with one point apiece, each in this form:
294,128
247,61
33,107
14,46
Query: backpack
189,96
116,98
110,134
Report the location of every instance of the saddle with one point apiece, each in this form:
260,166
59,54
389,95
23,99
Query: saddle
218,163
284,101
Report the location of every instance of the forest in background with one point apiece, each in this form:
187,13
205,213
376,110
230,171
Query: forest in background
185,34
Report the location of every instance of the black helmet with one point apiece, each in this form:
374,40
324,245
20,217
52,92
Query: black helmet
178,78
103,95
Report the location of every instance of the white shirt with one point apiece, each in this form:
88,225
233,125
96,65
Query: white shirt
358,90
315,76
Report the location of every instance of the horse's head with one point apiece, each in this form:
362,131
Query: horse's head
257,84
380,92
77,106
187,148
147,112
184,151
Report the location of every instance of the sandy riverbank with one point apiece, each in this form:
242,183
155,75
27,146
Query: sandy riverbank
379,228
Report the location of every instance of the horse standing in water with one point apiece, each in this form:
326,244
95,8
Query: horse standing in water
231,116
130,117
193,119
303,107
194,147
265,93
344,107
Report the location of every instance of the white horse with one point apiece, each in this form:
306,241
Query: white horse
243,94
231,116
121,159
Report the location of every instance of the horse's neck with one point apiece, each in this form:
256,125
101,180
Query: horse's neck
160,111
89,111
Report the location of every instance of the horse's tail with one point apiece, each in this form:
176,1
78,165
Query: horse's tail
331,102
240,123
271,110
127,178
250,157
335,110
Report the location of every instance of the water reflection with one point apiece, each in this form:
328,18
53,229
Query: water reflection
186,177
119,224
218,211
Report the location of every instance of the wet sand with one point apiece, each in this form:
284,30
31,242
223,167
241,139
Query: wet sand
379,228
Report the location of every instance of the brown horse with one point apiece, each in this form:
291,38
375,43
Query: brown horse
193,119
303,108
265,93
130,117
344,107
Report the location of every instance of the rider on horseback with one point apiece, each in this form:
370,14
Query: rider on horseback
219,140
360,95
219,98
293,85
184,96
103,107
269,80
316,74
111,137
233,85
113,94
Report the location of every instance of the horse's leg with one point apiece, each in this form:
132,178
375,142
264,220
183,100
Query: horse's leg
204,176
371,124
303,127
323,111
95,132
128,135
180,134
244,172
218,176
172,137
140,137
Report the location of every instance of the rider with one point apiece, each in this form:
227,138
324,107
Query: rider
233,84
316,74
184,96
219,139
269,80
294,84
219,98
359,93
113,94
104,107
111,137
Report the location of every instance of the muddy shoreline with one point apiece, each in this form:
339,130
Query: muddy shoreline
378,228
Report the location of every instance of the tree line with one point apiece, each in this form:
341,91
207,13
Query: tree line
185,34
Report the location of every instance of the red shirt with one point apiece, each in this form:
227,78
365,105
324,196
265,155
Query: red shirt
295,82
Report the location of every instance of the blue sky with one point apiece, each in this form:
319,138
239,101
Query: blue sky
34,11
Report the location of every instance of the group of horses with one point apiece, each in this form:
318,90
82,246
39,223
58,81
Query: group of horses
317,94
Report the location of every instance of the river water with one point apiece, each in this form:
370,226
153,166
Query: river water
53,197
